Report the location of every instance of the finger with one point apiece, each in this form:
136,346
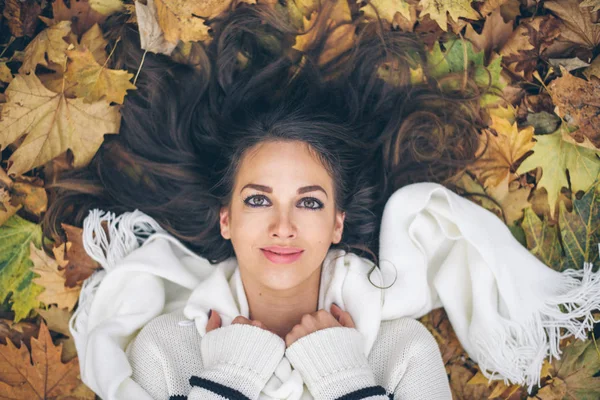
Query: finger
240,319
346,320
214,321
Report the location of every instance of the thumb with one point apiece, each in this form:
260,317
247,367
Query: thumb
214,321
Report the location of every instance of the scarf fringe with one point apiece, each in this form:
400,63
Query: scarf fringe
516,352
126,233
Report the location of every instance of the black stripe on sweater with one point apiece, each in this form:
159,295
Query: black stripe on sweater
217,388
366,392
178,397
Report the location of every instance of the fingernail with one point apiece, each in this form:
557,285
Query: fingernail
209,314
333,304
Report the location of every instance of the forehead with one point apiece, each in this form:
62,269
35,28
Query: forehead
280,162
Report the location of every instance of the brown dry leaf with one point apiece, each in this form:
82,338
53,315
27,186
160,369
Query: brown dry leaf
57,320
528,41
7,210
494,35
459,376
93,81
437,10
17,332
577,24
591,3
577,102
184,20
33,198
5,73
80,13
512,198
152,37
53,281
53,124
107,7
506,144
593,69
81,265
47,44
22,16
47,377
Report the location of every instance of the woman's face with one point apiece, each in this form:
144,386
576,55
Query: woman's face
280,212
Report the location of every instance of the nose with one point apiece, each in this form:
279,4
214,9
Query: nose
283,226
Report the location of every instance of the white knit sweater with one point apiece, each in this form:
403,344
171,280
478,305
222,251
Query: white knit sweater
170,360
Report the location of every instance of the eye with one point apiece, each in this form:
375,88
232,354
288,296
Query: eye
313,204
248,200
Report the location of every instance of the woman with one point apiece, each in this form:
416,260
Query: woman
264,156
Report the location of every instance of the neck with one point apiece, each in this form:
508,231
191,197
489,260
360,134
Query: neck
281,311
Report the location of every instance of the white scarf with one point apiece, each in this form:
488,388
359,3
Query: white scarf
439,250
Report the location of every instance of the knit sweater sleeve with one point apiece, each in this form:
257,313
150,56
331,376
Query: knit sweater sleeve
334,367
238,361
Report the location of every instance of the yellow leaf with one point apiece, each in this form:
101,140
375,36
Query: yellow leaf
53,280
184,20
95,82
47,44
33,198
387,9
503,151
106,7
437,10
5,74
52,124
94,40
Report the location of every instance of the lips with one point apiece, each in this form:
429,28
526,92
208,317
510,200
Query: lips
279,258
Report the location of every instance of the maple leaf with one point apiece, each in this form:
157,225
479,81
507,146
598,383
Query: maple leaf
184,20
555,156
48,43
577,24
437,10
527,43
33,198
341,34
53,281
79,12
576,101
94,40
494,35
57,320
578,368
53,124
22,16
580,230
591,3
81,266
94,81
47,377
543,240
15,272
387,9
504,149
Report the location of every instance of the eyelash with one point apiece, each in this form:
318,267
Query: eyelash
319,203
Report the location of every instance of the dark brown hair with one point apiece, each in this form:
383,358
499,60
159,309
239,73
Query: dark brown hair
186,127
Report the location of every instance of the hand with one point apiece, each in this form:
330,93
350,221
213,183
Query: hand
214,322
319,320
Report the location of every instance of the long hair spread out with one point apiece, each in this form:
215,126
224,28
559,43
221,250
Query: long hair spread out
185,129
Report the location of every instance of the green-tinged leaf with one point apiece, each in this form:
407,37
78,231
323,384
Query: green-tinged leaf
15,266
543,240
578,367
580,230
555,156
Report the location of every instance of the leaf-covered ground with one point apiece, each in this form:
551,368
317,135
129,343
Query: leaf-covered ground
59,97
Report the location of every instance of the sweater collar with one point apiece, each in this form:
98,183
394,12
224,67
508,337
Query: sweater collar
344,281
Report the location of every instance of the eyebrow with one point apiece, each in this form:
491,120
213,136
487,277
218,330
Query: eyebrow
268,189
